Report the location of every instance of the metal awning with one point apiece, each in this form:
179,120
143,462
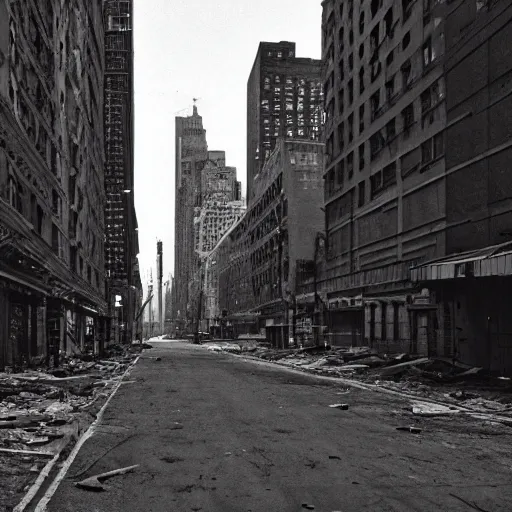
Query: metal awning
495,260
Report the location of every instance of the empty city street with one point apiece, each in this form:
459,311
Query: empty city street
212,432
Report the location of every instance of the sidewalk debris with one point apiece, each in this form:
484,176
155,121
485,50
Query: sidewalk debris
45,407
94,483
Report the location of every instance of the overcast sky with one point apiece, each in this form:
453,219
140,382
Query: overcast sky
203,49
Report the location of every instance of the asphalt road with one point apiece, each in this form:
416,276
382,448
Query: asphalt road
215,433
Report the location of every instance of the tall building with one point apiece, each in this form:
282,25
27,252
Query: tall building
191,155
51,179
255,266
468,282
121,247
385,184
284,99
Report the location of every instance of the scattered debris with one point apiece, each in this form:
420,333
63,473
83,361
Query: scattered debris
412,430
94,483
344,407
428,409
42,408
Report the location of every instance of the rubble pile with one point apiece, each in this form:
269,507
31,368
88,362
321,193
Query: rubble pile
36,405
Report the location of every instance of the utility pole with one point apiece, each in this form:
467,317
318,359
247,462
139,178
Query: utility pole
150,293
159,258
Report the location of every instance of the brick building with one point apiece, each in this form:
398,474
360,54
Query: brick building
470,285
51,179
256,262
121,242
191,155
284,99
385,180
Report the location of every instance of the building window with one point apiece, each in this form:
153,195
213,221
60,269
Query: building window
376,144
426,152
361,23
374,104
55,239
350,128
350,164
361,193
72,259
361,118
341,105
390,130
361,157
406,40
361,80
390,89
341,136
350,91
372,308
341,70
351,62
351,37
428,56
389,175
408,116
406,74
388,20
390,57
438,145
361,50
375,5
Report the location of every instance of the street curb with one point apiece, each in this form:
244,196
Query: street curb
373,387
45,472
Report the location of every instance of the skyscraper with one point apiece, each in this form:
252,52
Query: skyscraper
121,247
284,100
191,155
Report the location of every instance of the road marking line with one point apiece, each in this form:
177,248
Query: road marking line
48,495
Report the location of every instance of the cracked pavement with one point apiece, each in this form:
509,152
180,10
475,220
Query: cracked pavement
213,432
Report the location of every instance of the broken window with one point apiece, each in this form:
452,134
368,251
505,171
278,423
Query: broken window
428,56
389,58
351,37
351,62
361,80
340,169
350,91
361,50
361,118
341,70
361,23
341,36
